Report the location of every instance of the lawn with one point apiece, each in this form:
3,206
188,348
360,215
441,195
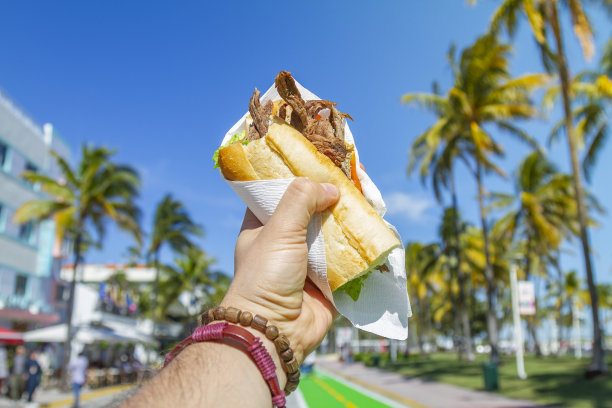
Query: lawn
553,381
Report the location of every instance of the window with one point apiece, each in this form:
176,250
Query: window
31,167
3,155
21,282
61,293
2,218
26,232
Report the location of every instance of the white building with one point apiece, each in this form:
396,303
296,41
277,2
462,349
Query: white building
30,293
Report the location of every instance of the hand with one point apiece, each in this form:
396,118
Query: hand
270,268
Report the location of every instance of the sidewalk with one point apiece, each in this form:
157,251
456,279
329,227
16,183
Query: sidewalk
90,398
418,393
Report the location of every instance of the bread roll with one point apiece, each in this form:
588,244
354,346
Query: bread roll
356,237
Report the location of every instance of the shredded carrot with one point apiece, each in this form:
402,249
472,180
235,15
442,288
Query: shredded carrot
354,176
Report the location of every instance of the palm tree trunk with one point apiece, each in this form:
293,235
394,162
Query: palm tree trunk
463,307
598,364
156,292
531,321
457,327
420,327
489,278
69,329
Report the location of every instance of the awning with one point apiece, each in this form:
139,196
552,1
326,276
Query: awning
26,316
83,334
8,336
135,336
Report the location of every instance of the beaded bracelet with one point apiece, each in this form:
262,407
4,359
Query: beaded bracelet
281,342
238,337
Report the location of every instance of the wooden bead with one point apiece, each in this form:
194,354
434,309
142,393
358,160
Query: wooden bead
246,318
291,366
207,317
293,376
292,385
232,314
259,323
287,355
271,332
220,313
281,343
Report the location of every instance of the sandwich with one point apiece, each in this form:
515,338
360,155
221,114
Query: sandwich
296,138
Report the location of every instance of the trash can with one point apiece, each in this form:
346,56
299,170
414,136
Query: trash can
376,360
491,377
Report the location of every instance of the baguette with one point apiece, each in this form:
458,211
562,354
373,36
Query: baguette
357,240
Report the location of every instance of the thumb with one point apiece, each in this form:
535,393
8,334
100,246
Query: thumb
301,200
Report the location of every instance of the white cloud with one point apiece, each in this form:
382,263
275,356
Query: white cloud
408,206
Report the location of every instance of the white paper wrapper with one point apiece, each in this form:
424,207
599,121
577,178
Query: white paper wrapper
383,307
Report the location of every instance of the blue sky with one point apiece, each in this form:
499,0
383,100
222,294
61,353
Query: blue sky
162,83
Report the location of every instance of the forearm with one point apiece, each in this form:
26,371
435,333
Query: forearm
207,375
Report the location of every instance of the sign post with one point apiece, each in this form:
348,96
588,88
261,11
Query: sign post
518,332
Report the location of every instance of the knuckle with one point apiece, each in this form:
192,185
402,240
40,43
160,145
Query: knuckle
303,186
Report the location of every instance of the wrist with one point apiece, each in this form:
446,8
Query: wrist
284,320
271,348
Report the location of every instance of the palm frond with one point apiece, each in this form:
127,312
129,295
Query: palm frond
37,210
519,133
535,20
593,151
582,28
432,102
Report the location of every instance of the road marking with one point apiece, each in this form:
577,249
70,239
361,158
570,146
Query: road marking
339,397
393,403
371,387
90,395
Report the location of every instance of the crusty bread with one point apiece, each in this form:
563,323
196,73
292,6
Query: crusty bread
356,237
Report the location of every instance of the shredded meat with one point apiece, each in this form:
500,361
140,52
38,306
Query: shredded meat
313,107
260,115
321,128
333,148
288,91
326,134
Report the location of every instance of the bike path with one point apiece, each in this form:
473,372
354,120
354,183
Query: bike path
418,393
324,389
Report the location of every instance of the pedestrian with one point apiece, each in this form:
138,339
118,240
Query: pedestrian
34,373
3,369
78,368
18,374
44,359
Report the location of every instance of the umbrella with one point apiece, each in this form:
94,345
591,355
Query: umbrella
8,336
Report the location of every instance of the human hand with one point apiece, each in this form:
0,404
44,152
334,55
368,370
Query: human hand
270,268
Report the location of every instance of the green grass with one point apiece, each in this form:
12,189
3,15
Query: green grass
553,381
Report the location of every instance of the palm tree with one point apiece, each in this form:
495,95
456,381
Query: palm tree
592,93
172,227
191,274
543,17
542,213
423,272
436,149
95,191
484,94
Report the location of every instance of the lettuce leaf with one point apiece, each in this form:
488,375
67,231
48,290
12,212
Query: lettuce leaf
237,137
353,287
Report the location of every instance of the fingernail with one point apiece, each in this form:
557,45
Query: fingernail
330,188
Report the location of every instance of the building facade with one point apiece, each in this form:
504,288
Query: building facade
30,291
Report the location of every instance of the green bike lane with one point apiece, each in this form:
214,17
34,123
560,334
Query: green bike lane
323,389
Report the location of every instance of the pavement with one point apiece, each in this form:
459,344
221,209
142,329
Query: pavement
333,384
107,397
417,393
